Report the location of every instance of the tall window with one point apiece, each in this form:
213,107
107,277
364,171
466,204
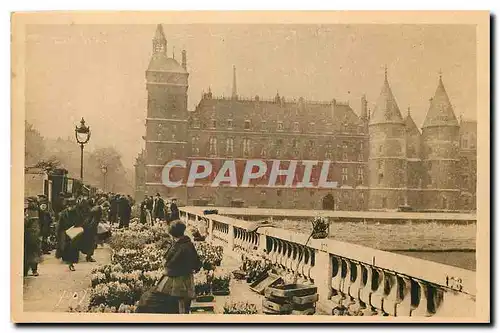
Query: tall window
213,145
328,153
295,126
196,123
280,125
263,152
174,130
195,150
311,127
294,143
360,175
344,152
229,146
465,141
159,132
384,202
344,175
263,125
345,128
213,123
229,123
247,125
246,147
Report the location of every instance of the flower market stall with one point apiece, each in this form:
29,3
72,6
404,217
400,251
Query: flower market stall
137,265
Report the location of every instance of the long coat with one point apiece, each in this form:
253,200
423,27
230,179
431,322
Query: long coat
67,249
174,212
32,250
45,220
159,209
88,239
143,211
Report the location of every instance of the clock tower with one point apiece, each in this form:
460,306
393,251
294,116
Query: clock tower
167,115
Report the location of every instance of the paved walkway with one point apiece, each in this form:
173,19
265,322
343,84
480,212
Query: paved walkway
57,288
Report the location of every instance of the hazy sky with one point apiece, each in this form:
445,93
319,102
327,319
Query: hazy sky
98,71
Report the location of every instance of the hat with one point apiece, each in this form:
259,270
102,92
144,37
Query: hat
70,201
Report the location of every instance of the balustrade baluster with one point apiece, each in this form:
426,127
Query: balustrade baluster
404,307
379,294
392,298
422,308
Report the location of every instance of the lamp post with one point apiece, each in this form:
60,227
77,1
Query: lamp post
104,170
82,134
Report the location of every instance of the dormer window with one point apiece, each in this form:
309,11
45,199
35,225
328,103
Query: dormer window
247,125
229,123
295,126
280,126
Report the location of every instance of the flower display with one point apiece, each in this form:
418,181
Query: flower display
210,256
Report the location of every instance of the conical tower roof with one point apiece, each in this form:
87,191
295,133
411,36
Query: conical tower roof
386,110
440,111
410,125
159,34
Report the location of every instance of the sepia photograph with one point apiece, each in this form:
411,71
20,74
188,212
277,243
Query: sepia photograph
250,167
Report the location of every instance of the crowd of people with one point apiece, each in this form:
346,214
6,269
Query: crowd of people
81,223
78,225
156,209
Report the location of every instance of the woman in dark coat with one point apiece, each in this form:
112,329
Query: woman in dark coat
175,290
67,249
32,253
125,211
174,210
45,219
89,237
144,208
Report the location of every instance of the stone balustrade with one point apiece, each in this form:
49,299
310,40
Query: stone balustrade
362,279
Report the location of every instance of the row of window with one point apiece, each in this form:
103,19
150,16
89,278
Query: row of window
247,125
247,147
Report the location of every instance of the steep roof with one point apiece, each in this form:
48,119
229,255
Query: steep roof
161,62
159,34
440,111
410,125
386,110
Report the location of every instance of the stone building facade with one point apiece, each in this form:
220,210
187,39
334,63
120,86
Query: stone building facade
380,159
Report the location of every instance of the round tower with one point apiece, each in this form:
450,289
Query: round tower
167,115
387,156
440,153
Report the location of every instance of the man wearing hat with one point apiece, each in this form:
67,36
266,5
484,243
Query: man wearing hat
67,248
159,208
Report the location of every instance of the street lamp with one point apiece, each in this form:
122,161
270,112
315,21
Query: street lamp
104,170
82,134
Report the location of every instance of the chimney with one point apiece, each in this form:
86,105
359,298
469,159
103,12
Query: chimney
184,61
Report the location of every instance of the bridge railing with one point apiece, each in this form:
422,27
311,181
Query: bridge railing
348,274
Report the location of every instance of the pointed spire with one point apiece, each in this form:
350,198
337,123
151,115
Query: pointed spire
386,109
440,110
411,127
159,41
234,95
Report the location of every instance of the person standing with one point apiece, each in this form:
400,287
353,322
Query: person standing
143,209
67,248
149,207
89,237
159,208
174,210
125,211
45,221
31,237
113,210
181,262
